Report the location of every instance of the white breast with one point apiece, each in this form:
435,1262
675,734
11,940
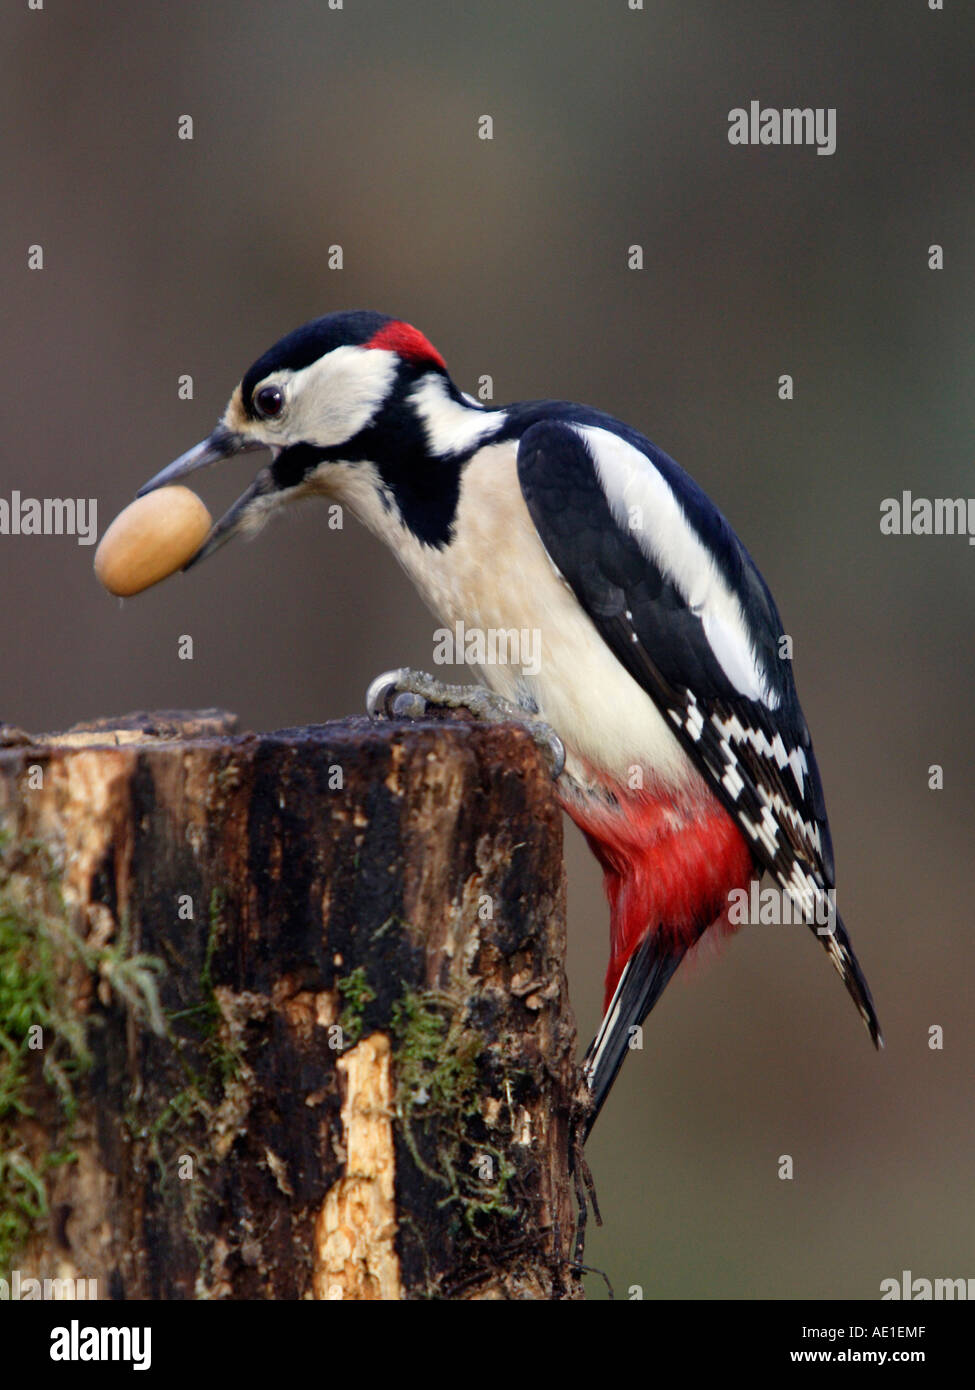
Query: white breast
496,574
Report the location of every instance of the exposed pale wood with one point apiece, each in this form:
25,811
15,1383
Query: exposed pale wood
355,1231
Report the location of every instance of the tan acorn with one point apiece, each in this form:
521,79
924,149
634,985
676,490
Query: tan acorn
152,538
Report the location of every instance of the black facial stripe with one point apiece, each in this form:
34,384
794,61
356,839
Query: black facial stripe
293,465
425,489
426,492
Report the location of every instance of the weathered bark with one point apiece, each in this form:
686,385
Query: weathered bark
357,1077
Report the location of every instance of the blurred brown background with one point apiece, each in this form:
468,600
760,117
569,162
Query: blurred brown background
359,127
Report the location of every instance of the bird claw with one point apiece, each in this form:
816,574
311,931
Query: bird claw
382,692
408,694
551,748
409,705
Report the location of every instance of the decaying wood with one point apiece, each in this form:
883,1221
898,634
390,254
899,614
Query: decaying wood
355,1231
300,1023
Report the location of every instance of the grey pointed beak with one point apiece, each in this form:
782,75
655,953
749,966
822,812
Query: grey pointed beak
222,444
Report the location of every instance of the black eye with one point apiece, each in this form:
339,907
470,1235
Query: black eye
269,402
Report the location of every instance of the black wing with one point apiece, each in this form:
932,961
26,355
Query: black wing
751,746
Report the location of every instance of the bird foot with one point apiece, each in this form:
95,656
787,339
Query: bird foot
408,694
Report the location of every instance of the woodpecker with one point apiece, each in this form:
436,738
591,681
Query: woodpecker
679,745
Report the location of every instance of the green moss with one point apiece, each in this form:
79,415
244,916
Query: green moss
436,1062
206,1059
170,1140
357,993
43,1036
218,901
438,1097
205,1015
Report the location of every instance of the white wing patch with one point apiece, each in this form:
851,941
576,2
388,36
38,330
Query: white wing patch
766,828
733,731
635,488
767,748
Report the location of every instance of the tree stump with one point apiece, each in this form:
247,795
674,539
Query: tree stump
284,1015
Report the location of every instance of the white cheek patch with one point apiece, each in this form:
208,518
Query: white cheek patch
331,400
451,428
634,486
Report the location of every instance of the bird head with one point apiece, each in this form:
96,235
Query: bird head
326,399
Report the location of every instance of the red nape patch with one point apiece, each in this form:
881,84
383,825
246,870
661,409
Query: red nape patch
408,341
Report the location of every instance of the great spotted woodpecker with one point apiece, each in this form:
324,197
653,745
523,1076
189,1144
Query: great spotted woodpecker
681,750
